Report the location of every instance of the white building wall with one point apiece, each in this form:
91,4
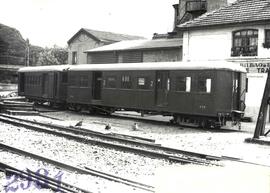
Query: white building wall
80,44
216,44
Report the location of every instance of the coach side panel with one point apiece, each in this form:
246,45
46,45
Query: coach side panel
128,89
192,92
33,84
79,88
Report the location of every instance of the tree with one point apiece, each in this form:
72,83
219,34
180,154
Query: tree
61,54
53,56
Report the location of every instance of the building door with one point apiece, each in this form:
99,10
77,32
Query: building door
97,85
162,87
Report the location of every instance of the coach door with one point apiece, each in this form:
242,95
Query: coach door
21,82
48,85
236,91
162,88
45,82
97,84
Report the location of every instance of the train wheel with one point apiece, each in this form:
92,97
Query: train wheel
77,108
203,124
178,120
92,111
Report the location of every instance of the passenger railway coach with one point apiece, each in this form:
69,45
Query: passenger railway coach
202,93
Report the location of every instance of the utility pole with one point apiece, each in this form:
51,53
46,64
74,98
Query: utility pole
260,126
27,53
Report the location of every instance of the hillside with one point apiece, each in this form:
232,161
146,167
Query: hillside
12,46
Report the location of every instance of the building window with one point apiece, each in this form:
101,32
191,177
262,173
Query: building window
74,57
245,43
183,84
126,82
204,84
266,43
111,82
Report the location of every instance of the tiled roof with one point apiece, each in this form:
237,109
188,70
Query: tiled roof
106,36
242,11
140,45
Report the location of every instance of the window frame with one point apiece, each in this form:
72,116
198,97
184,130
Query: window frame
187,83
126,82
108,83
207,90
266,43
147,83
74,57
84,81
245,40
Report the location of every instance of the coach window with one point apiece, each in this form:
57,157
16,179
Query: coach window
126,82
204,84
64,77
73,80
143,83
245,43
111,82
84,81
183,84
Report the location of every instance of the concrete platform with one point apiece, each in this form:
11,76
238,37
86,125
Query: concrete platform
233,178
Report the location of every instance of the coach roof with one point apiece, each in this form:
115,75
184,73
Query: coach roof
207,65
45,68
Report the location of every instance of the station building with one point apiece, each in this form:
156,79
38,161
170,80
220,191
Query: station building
136,51
86,39
238,32
163,47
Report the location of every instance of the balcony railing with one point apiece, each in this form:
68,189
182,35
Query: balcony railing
192,6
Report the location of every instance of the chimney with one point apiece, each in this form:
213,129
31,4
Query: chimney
176,15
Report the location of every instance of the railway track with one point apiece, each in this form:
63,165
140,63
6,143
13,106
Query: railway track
41,180
127,116
86,170
144,148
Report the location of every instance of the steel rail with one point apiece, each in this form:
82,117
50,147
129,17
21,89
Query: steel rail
148,153
39,178
154,146
80,130
78,169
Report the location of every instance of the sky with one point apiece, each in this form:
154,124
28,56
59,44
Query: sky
53,22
